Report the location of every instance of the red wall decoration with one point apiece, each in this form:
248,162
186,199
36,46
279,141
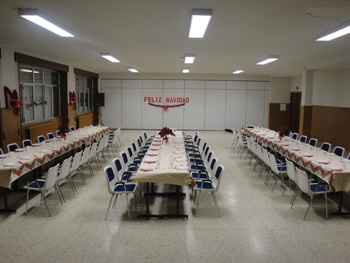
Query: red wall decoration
160,102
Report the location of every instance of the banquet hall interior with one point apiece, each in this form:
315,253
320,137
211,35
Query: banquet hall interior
254,168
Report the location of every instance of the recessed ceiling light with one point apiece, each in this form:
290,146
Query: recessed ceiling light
189,59
238,71
43,20
334,32
185,70
109,57
267,60
200,19
133,70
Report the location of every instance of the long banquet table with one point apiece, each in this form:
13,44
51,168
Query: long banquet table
17,164
331,168
164,163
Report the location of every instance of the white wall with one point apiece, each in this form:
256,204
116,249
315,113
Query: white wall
331,88
296,84
213,104
9,71
280,90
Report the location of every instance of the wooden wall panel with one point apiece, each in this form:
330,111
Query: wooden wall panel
72,116
10,128
305,121
331,124
86,120
32,131
278,118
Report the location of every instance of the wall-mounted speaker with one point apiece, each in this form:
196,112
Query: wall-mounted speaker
100,100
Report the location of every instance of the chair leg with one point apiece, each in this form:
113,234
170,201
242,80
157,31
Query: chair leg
109,206
27,201
277,176
215,201
59,192
72,184
307,210
43,196
294,197
199,196
127,204
326,205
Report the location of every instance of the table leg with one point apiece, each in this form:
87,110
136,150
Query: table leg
340,206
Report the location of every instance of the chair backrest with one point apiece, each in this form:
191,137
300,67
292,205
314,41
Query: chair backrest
259,150
65,168
125,159
210,155
76,161
58,133
204,147
130,152
12,147
93,150
206,152
99,146
326,146
50,135
303,181
291,170
303,138
339,151
295,136
111,178
142,143
313,142
348,156
198,142
195,138
273,163
145,135
41,138
118,165
51,177
72,128
134,147
26,143
1,152
250,126
86,155
213,163
266,157
139,143
217,176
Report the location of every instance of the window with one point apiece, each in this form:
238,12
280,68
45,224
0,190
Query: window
40,93
83,93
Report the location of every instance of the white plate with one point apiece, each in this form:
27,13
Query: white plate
45,151
330,154
307,154
29,157
67,142
181,167
4,155
180,159
146,167
332,167
179,151
19,150
150,159
316,149
179,146
10,164
36,145
56,146
284,144
294,148
153,148
323,161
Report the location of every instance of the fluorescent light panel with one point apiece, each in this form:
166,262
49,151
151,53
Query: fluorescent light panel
33,15
189,59
133,70
267,60
185,70
200,19
335,32
238,71
110,58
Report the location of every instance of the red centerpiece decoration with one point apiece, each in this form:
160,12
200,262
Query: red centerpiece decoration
165,133
283,131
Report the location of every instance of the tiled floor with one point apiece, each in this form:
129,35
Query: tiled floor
255,225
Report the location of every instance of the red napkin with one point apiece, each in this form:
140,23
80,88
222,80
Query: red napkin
152,154
149,161
337,170
323,162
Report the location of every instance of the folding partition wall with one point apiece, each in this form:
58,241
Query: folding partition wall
184,104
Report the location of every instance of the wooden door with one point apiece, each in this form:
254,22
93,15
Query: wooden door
295,100
10,128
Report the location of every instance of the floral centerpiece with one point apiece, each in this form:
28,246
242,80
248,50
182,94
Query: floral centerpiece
63,131
283,131
166,132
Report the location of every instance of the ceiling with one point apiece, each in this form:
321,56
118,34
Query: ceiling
152,35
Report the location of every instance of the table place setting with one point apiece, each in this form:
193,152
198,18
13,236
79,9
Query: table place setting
146,168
